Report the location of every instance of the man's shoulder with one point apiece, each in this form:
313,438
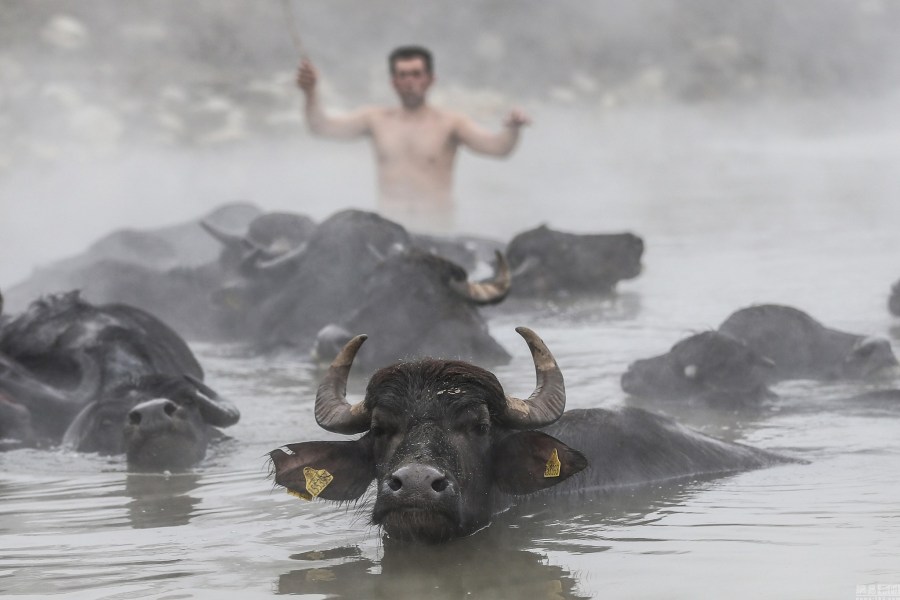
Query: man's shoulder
452,119
448,113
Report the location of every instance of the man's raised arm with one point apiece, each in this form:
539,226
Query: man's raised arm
500,143
353,125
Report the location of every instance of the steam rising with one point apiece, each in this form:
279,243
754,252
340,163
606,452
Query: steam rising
135,114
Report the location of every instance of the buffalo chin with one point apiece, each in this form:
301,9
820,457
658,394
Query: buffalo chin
420,525
163,452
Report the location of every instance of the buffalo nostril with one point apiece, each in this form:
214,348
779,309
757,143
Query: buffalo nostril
134,417
439,485
395,484
170,408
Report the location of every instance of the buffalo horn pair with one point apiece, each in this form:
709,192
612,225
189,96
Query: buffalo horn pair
544,406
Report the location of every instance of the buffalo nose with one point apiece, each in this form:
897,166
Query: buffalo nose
152,413
419,481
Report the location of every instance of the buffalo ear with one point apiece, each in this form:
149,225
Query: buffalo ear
329,470
529,461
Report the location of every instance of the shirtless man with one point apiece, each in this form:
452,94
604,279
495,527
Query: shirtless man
415,143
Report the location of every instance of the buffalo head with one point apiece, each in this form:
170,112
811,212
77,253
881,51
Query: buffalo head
160,422
708,366
442,442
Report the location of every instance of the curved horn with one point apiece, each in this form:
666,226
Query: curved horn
214,409
333,412
229,240
490,291
274,262
547,402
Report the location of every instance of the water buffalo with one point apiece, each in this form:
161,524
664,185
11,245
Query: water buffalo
64,353
160,422
447,447
324,283
803,348
553,264
269,238
151,253
708,368
417,304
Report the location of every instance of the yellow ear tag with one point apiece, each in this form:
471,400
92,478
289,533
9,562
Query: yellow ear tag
316,480
553,465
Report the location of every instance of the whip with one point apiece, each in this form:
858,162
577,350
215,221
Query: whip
293,29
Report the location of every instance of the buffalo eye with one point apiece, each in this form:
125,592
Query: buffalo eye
382,430
473,427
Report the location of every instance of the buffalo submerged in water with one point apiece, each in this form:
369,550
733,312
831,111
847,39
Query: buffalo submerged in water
707,368
447,448
111,379
753,348
803,348
550,264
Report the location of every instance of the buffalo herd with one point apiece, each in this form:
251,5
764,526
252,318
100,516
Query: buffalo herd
92,359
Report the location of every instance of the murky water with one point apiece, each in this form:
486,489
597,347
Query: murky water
808,220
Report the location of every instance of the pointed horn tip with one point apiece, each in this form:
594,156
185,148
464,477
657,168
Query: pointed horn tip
533,340
348,352
539,351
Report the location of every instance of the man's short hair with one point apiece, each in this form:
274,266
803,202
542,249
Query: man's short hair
408,52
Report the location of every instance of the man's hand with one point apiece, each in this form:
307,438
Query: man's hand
307,76
517,118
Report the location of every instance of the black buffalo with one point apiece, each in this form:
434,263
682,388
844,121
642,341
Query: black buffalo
199,276
253,264
140,257
709,368
553,264
325,280
68,342
66,358
417,304
802,348
160,422
269,238
447,448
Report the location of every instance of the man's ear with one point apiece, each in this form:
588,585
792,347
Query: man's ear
529,461
329,470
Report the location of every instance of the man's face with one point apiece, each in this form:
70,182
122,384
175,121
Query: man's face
411,81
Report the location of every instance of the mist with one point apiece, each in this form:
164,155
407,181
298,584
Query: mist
135,114
753,145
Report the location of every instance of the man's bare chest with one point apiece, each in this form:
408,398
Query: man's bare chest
427,140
